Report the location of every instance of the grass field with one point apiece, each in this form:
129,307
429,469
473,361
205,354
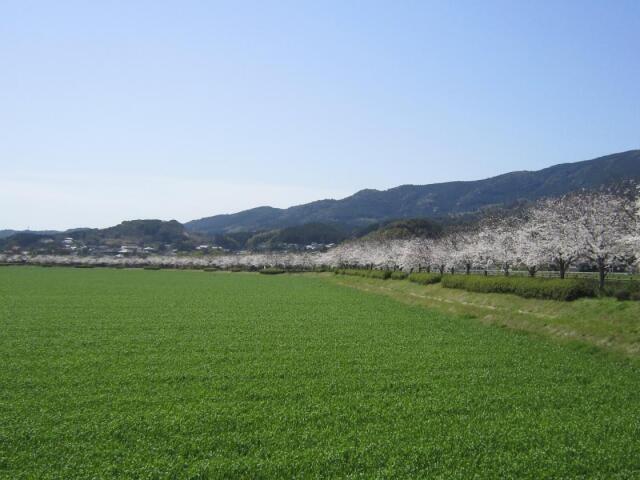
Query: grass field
185,374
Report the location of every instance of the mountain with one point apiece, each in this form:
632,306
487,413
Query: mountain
432,201
8,233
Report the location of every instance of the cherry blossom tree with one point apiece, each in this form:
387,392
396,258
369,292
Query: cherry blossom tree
464,245
442,254
419,253
529,247
497,243
604,222
553,222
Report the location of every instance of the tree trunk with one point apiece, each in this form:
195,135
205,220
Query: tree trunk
532,271
453,270
602,273
563,268
441,268
468,268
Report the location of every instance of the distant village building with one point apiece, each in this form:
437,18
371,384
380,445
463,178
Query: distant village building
128,250
207,248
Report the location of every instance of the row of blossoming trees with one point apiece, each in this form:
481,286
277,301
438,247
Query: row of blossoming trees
597,228
601,229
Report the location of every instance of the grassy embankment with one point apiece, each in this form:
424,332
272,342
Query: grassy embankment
606,323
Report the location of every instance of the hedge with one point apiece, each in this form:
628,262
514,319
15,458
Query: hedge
625,290
424,278
380,274
421,278
552,289
399,275
271,271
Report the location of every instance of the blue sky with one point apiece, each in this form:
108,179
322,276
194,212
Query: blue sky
154,109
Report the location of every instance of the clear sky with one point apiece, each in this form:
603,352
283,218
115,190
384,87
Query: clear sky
118,110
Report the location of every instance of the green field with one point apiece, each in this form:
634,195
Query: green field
185,374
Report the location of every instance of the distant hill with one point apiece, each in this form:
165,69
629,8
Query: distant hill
155,233
8,233
142,231
298,235
432,201
402,229
147,231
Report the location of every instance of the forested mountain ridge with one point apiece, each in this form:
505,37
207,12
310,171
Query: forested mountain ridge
434,200
401,212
